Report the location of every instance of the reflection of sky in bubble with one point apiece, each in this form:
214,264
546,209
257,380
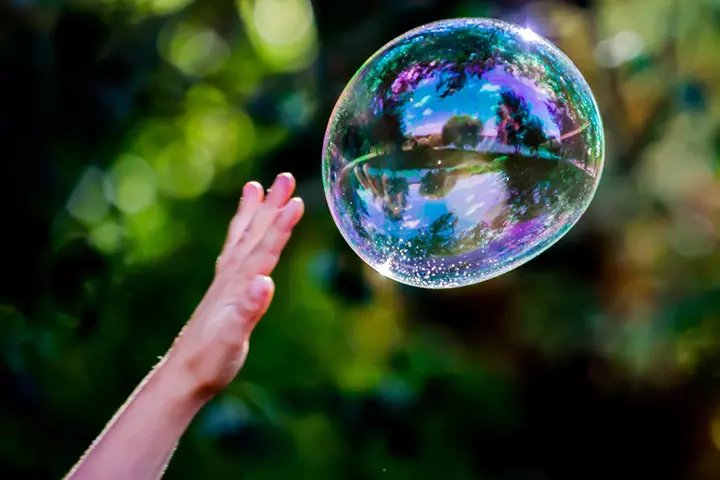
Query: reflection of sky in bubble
461,151
424,117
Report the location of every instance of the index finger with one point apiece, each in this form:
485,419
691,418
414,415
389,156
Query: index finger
252,198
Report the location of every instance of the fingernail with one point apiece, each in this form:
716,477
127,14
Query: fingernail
250,186
259,286
291,209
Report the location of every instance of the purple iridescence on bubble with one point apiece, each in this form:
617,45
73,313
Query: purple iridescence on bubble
460,151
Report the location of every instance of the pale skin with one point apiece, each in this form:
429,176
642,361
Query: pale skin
211,348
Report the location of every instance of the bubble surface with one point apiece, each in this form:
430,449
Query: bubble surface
460,151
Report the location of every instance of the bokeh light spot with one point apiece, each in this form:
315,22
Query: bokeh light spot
87,203
202,96
282,22
184,171
621,48
194,49
225,134
107,237
283,32
164,7
131,184
151,234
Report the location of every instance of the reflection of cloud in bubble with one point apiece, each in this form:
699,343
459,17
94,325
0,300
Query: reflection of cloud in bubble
422,102
478,199
490,128
472,101
411,223
428,128
474,208
476,196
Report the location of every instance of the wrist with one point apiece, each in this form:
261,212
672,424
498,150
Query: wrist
179,386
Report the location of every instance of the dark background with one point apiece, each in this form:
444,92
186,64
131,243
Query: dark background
127,129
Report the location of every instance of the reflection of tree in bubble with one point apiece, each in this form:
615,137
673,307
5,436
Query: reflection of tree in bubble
513,114
564,145
390,191
517,126
437,183
390,92
475,237
388,128
357,210
534,135
438,238
528,186
477,56
462,131
396,189
353,140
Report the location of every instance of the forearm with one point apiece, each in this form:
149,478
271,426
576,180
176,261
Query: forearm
140,439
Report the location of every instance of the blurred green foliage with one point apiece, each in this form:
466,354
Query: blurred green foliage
128,129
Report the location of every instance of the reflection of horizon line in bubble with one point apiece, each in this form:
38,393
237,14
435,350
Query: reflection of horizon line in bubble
500,156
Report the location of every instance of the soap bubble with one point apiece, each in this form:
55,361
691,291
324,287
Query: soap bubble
460,151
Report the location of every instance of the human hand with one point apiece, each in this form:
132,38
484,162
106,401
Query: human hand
213,346
140,439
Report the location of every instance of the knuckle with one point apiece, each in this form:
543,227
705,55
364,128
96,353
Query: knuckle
243,237
264,262
234,342
232,260
247,309
272,256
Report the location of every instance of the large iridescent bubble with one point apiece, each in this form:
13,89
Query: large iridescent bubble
460,151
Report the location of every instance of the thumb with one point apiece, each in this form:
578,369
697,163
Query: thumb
238,318
259,296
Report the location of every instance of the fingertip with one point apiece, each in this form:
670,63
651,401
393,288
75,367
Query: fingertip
300,206
293,211
281,190
298,203
285,180
252,189
252,194
288,176
262,288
